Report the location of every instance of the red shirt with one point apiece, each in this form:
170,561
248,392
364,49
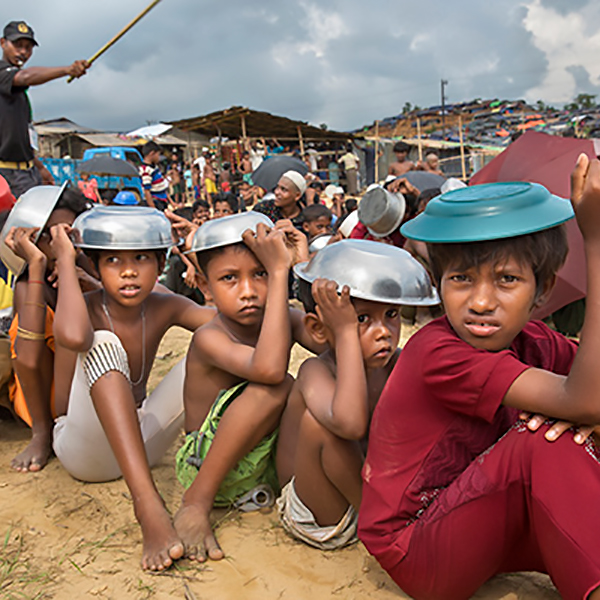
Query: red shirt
360,232
89,189
441,408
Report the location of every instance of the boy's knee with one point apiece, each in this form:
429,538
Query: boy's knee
103,358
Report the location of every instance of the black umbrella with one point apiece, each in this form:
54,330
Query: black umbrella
270,171
424,180
106,165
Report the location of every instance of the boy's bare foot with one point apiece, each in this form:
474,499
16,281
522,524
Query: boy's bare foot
192,523
35,456
162,545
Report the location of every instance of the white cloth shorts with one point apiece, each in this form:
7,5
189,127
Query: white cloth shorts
79,439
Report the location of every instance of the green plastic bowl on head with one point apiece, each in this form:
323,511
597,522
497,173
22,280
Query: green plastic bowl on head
489,211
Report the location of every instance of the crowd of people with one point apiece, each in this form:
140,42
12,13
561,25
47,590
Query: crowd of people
469,453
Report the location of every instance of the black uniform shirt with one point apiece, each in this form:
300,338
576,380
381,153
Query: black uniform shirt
15,114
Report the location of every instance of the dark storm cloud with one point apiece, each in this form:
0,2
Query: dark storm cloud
345,63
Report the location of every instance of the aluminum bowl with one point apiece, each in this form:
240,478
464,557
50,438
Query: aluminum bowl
319,242
32,209
123,228
226,230
488,211
381,211
373,271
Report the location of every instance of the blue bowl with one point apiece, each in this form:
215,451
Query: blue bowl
488,212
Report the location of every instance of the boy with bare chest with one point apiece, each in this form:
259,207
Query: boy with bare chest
236,372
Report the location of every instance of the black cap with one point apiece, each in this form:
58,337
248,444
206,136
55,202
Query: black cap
17,30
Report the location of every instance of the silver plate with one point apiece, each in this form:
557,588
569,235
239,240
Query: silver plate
227,230
123,228
32,209
373,271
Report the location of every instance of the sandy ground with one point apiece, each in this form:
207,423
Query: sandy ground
60,538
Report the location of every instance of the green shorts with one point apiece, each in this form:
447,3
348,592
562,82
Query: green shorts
257,467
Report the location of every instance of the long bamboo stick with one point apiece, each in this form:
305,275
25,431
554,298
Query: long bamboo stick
119,35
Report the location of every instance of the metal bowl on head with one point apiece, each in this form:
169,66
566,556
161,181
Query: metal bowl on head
32,209
226,230
381,211
123,228
373,271
489,211
319,242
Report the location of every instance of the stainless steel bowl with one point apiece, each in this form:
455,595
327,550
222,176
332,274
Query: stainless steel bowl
319,242
124,228
373,271
381,211
32,209
226,230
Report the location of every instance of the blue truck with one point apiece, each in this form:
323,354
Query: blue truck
65,169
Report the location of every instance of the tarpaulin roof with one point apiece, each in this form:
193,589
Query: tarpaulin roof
235,121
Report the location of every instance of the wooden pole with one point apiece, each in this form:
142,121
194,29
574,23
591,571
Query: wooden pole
119,35
243,119
300,140
462,148
376,151
419,142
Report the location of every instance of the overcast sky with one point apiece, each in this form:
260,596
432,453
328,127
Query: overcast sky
340,62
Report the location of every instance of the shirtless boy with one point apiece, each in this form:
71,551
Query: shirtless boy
324,427
116,332
244,351
402,165
32,342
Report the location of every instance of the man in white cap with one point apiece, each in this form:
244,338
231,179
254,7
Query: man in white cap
286,204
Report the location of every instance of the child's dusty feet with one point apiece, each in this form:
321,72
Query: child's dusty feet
162,545
35,456
192,523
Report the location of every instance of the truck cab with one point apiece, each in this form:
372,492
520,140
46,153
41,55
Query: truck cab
131,184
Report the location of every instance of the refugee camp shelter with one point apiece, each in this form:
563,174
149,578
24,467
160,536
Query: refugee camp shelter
241,123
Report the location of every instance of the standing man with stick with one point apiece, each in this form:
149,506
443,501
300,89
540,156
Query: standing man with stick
18,163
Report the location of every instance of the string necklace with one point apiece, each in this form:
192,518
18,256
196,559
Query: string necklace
112,328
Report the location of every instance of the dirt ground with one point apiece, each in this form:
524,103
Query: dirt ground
63,539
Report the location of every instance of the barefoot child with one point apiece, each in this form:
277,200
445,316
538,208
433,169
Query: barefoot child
110,428
236,371
324,427
456,488
32,341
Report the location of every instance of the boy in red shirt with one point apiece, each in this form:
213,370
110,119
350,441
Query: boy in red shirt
456,488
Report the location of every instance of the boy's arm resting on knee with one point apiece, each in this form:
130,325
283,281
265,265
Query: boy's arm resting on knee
332,402
575,397
72,326
216,349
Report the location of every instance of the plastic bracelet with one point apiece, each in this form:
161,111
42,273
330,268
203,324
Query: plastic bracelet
35,281
33,336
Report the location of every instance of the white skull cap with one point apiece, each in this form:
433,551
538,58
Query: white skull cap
297,179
